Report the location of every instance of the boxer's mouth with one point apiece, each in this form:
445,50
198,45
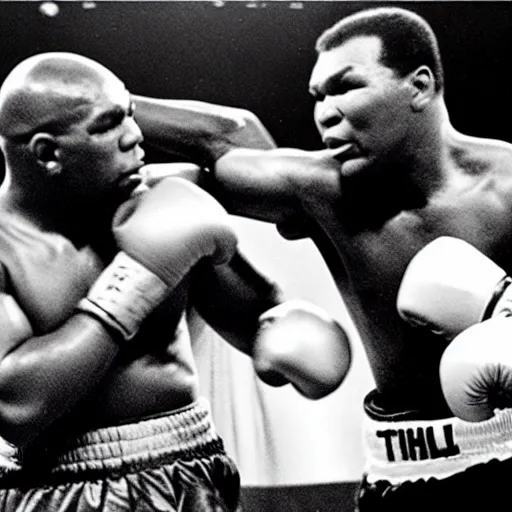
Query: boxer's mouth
334,142
337,143
341,149
135,175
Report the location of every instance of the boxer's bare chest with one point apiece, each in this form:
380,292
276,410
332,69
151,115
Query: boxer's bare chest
373,261
48,275
374,258
44,271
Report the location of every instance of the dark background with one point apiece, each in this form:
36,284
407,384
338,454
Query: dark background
260,57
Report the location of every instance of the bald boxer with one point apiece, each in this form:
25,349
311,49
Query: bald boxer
99,270
394,176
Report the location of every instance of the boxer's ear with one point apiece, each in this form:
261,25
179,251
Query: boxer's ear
423,85
45,150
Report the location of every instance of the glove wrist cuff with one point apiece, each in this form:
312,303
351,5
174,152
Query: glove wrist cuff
123,295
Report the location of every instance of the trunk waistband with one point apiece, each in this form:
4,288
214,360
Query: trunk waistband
123,448
407,451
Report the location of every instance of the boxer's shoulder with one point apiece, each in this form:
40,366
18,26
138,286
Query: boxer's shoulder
488,163
478,155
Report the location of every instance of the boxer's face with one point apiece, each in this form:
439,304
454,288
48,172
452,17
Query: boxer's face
102,151
360,101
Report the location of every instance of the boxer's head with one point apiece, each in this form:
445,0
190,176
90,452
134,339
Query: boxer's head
69,120
375,71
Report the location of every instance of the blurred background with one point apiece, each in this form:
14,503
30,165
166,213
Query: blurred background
293,454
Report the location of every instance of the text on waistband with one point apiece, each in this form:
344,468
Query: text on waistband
419,443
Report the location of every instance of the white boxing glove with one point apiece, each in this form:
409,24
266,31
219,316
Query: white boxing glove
476,370
299,343
161,235
450,285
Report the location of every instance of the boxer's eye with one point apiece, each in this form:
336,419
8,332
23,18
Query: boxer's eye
107,121
343,86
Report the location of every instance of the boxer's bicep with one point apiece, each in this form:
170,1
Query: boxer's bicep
14,324
258,183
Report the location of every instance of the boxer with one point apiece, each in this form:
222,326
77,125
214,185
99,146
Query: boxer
394,176
98,387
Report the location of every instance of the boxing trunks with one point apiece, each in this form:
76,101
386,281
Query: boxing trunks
412,463
165,463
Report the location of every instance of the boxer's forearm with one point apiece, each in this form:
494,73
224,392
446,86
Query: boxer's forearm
232,297
46,375
199,131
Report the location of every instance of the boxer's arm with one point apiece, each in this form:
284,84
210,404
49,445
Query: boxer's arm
289,341
42,377
260,184
248,174
231,298
201,131
155,173
265,185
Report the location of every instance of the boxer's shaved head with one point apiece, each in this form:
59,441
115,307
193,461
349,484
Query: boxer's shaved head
49,92
67,121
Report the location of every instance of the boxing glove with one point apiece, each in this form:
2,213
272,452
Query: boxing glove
161,235
299,343
450,285
476,370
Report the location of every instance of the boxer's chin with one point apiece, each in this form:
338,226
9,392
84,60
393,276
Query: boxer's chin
353,167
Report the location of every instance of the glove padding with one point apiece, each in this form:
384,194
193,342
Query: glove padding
450,285
162,234
476,370
299,343
173,226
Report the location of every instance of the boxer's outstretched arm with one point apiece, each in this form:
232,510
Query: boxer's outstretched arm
248,174
289,341
266,185
254,183
249,184
200,131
